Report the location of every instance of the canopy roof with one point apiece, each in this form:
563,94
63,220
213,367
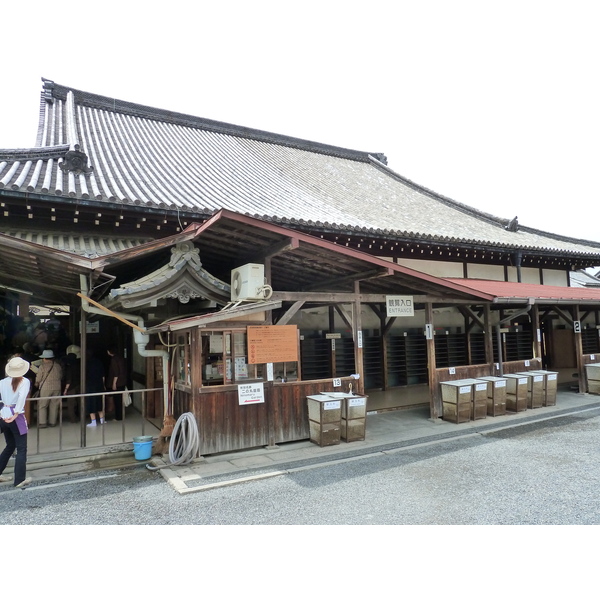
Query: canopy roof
204,255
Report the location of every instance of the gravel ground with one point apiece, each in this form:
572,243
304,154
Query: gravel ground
545,473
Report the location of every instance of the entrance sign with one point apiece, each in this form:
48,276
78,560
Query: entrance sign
272,343
251,393
400,306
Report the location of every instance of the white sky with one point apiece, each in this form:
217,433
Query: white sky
491,104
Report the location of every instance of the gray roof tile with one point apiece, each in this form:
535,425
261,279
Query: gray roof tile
143,156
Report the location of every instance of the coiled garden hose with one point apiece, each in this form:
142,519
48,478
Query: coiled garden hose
185,441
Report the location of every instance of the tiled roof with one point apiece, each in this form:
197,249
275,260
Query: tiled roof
86,245
94,148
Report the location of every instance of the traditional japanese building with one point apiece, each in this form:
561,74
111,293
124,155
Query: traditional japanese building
175,234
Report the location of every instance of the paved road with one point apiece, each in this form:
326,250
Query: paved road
543,473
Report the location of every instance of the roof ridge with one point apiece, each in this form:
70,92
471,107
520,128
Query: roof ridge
54,90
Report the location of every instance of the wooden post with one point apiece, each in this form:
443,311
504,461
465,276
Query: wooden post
435,407
332,359
489,337
358,340
537,333
579,352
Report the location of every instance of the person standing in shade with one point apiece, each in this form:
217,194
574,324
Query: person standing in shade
72,383
49,381
14,389
94,384
116,379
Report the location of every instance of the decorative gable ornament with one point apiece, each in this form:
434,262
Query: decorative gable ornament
76,162
183,279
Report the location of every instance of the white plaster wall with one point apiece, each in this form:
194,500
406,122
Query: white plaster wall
433,267
553,277
493,272
528,275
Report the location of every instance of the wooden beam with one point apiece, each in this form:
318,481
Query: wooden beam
467,311
369,274
349,297
345,317
291,243
564,316
291,311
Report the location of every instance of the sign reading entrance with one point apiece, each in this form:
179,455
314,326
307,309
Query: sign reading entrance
272,343
400,306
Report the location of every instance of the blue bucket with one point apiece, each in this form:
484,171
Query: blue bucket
142,450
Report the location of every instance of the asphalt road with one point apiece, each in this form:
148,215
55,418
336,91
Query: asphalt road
545,473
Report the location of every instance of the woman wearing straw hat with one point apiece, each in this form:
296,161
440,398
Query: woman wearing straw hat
14,389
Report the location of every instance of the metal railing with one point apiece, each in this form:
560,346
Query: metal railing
133,422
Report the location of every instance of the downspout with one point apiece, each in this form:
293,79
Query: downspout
141,339
517,258
499,333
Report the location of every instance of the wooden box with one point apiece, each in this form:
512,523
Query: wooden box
535,388
550,387
456,413
463,393
354,418
324,419
594,387
353,430
457,392
496,395
479,406
324,409
325,434
516,392
592,372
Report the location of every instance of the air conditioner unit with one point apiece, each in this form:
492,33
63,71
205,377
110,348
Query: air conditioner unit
247,282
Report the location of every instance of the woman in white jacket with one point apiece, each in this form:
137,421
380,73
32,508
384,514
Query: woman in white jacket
14,389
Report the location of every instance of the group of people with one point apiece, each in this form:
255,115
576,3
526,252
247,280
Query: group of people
53,378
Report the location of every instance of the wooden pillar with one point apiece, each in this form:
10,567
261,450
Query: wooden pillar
435,406
488,336
579,352
358,340
83,343
269,314
537,332
332,346
384,348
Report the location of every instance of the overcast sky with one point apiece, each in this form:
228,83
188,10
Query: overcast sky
494,105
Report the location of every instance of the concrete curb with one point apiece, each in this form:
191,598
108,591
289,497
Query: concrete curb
179,481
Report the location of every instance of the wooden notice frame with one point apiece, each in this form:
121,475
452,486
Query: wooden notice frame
272,344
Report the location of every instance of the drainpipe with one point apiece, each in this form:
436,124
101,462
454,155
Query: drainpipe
517,259
141,339
499,333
